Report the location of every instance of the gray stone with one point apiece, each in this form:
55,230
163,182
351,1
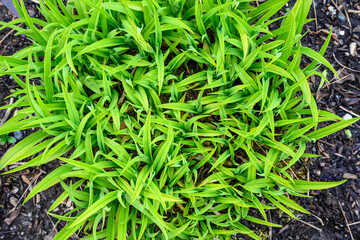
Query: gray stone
342,17
18,135
10,5
26,223
31,13
347,117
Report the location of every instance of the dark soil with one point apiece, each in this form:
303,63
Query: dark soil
333,211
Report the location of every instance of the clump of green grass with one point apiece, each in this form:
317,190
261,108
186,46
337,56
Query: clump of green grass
171,118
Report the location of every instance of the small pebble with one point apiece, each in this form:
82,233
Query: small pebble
26,223
342,17
18,135
349,176
31,13
322,164
338,235
342,33
38,206
30,214
347,117
332,10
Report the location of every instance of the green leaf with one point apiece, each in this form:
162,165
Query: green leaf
94,208
328,130
306,185
50,180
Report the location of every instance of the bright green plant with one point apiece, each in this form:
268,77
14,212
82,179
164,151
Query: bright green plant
4,139
172,118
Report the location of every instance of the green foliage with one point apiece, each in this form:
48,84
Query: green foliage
173,119
4,139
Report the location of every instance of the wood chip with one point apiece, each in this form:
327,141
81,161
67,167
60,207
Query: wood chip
38,198
12,217
26,180
55,210
353,50
356,29
354,11
68,203
327,32
349,176
36,224
13,201
51,235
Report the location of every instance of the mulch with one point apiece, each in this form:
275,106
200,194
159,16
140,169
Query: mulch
335,213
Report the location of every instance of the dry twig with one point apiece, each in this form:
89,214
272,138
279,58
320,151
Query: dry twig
321,221
12,30
355,223
338,80
346,221
316,22
270,228
7,114
342,65
33,180
337,7
349,111
354,11
309,224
